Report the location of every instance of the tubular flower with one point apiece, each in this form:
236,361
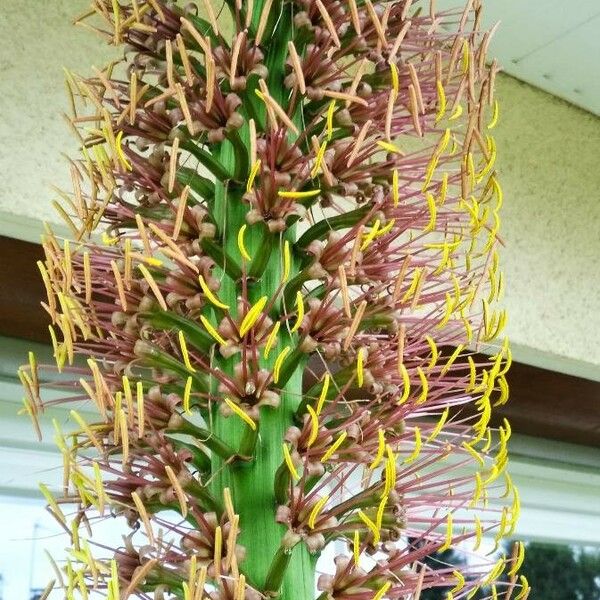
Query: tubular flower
285,221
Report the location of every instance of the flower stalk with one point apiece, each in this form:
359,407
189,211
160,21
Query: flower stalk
284,264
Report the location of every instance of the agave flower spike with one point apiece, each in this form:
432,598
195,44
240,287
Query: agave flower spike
283,268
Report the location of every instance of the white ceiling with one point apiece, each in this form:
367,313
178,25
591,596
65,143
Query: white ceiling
551,44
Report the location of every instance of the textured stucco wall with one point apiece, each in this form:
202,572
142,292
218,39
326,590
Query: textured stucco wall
548,160
37,39
548,157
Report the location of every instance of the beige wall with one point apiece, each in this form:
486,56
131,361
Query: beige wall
548,159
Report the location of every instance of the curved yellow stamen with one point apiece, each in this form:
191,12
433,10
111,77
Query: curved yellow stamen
395,78
290,464
380,449
271,339
395,187
318,160
388,147
314,513
278,362
432,212
478,533
370,236
240,413
298,194
300,311
331,451
382,591
381,511
252,316
241,245
184,352
439,426
314,424
210,295
417,450
434,352
323,395
253,173
449,534
518,560
360,373
213,332
441,101
390,471
424,386
456,113
371,526
120,153
330,112
460,582
405,383
186,395
473,453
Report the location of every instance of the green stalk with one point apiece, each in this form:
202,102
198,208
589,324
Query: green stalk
288,574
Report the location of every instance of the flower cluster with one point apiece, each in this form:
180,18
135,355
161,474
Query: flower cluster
283,265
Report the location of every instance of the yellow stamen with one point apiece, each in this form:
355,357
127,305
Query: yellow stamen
271,339
298,194
441,102
520,557
439,426
323,395
382,591
371,526
432,212
279,362
449,534
495,114
252,316
417,450
318,159
456,112
460,582
300,311
253,174
424,386
332,449
360,367
120,153
395,189
314,513
473,453
240,413
213,332
388,147
186,395
330,112
241,244
184,352
390,471
210,295
290,464
381,511
405,383
380,449
314,423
